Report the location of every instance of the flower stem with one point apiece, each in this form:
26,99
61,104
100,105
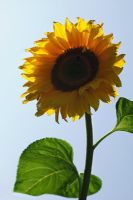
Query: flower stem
89,158
99,141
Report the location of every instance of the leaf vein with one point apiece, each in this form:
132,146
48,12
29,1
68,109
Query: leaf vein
41,179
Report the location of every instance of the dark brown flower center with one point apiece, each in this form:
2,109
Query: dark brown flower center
74,68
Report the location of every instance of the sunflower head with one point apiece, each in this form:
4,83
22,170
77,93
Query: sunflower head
72,69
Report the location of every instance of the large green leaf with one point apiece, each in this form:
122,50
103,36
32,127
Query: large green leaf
72,190
46,167
124,111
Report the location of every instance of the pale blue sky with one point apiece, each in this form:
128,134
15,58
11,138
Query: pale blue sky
24,21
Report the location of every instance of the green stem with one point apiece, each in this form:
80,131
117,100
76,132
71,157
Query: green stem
89,158
99,141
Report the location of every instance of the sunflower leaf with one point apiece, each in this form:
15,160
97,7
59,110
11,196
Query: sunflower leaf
72,191
124,112
95,184
46,167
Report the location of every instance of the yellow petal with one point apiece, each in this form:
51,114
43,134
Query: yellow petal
59,30
81,24
50,111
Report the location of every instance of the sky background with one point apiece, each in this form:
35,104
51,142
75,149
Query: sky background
21,23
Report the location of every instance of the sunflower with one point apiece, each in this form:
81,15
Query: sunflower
72,69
